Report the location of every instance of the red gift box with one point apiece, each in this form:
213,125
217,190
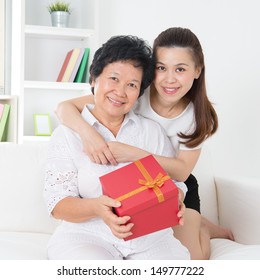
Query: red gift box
147,195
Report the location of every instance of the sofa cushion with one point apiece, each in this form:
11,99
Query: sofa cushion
22,206
23,246
223,249
239,207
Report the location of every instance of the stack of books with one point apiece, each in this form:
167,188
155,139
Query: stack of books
4,114
74,68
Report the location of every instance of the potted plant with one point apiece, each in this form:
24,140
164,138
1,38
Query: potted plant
60,12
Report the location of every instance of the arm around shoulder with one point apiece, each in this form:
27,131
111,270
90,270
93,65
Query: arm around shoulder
69,112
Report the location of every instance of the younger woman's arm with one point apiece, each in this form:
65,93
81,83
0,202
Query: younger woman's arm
99,151
179,167
94,145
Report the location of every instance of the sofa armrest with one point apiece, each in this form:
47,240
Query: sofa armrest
239,207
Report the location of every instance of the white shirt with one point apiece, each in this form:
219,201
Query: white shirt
185,122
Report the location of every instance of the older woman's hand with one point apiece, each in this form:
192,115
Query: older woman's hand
117,224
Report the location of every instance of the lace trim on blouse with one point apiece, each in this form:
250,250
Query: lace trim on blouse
61,176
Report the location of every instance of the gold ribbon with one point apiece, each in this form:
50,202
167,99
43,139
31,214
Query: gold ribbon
148,183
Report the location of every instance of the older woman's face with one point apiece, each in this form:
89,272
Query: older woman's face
117,88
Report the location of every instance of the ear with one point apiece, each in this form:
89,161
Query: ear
92,87
198,72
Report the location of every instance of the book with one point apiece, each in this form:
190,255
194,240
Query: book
82,72
3,123
1,110
71,65
77,64
64,66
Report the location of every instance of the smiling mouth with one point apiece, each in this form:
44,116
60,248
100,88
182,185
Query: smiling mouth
170,90
116,102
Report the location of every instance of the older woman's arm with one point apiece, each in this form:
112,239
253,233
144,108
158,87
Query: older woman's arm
75,209
62,194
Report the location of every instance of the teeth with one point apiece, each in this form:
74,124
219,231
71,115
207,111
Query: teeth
114,101
171,89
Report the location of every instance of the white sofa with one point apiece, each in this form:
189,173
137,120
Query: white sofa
25,226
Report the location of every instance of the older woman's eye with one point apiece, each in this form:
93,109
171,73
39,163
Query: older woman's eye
114,78
160,68
132,85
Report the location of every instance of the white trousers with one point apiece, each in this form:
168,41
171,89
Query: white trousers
101,245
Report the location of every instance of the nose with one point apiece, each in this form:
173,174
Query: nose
171,77
120,90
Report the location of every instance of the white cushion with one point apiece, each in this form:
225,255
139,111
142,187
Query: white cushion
223,249
23,246
239,207
22,206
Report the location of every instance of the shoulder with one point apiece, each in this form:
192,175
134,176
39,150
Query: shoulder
149,124
62,130
156,138
63,135
153,131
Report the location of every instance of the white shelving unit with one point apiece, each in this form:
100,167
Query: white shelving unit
38,52
38,31
12,120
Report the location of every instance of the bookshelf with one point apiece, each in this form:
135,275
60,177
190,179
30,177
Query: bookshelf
38,53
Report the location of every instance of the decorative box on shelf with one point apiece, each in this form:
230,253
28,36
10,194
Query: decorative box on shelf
147,195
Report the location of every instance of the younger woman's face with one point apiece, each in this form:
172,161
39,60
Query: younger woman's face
175,72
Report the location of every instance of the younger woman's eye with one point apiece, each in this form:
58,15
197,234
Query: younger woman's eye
180,69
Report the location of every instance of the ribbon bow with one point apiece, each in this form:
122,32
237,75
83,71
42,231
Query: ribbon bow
148,183
155,184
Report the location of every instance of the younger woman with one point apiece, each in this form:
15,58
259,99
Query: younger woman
176,99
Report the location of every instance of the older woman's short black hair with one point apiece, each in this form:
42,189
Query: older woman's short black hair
124,48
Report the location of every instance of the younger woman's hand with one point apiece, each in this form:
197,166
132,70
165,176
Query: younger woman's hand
125,153
116,224
182,207
96,148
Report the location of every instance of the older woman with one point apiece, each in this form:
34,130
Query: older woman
120,71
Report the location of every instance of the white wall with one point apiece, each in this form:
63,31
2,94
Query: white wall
230,36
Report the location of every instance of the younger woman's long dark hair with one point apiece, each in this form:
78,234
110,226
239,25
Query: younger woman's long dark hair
205,115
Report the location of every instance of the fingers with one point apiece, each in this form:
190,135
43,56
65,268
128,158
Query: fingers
109,202
120,228
181,212
109,156
99,158
103,157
